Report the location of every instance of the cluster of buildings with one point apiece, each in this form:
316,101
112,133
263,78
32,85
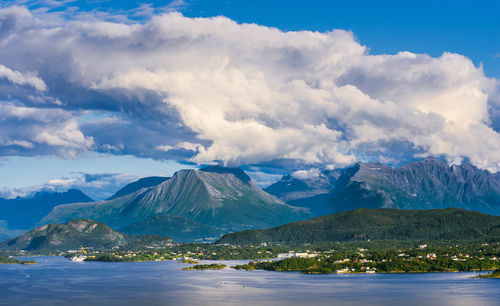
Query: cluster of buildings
292,254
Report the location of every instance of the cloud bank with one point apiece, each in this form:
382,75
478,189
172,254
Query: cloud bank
25,131
209,90
97,186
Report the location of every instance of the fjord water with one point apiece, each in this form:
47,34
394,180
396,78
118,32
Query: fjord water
57,281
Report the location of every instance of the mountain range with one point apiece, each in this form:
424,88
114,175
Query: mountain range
63,237
224,199
378,224
426,184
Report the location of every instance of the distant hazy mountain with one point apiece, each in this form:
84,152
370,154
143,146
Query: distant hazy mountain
318,205
23,213
311,193
139,184
5,233
290,188
74,234
224,198
178,228
378,224
427,184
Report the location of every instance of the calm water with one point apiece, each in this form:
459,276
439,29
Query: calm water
57,281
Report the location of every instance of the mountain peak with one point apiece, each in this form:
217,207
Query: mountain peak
219,197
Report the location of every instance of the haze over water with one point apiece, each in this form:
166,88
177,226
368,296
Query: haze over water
57,281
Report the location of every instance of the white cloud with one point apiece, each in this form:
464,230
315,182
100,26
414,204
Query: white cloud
261,178
175,5
306,174
244,93
22,79
181,146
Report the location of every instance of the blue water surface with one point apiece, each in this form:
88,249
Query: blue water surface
58,281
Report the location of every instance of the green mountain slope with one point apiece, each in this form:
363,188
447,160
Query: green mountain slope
178,228
378,224
72,235
224,198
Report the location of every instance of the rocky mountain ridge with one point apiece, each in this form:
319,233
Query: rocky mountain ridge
426,184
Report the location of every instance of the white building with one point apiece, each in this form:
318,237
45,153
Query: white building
430,256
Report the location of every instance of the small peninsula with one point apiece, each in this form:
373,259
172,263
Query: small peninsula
494,274
8,260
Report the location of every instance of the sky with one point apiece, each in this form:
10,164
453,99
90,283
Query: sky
95,94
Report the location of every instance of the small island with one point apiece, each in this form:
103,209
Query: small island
189,261
8,260
206,267
494,274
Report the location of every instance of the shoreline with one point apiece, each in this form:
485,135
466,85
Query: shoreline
251,260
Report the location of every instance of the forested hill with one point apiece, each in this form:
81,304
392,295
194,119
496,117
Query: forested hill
76,233
378,224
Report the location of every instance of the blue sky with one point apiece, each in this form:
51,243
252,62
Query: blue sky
122,91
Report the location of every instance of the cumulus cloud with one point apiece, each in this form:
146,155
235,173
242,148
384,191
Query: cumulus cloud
209,89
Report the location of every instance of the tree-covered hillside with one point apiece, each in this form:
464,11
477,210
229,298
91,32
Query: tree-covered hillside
378,224
178,228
